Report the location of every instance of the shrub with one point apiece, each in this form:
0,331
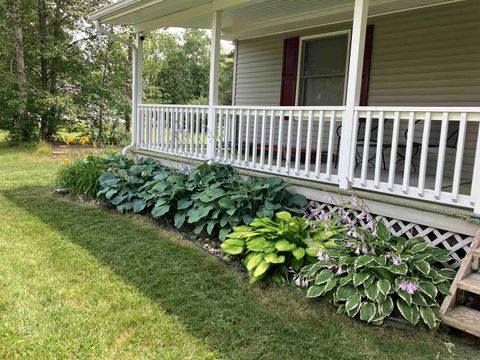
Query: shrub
81,177
276,246
377,275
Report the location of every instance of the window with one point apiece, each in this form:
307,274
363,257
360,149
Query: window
322,70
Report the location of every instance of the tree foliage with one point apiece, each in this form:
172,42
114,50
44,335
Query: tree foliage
75,79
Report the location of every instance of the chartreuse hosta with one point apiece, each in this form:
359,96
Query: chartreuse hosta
374,276
279,246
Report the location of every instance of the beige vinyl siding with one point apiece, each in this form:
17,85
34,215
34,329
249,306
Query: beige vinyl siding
424,57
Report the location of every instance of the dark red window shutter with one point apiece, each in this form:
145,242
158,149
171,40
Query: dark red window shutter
289,71
367,60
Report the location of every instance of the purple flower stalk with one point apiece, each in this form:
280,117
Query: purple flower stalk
408,286
300,281
322,256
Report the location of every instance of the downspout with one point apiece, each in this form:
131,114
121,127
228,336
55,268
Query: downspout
103,31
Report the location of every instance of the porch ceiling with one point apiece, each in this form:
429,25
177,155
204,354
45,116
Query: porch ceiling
244,18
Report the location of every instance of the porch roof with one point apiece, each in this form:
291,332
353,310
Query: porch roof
244,18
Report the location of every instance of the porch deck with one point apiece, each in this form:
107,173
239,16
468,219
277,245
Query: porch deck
398,151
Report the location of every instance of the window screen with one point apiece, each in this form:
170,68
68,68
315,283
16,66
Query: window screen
322,73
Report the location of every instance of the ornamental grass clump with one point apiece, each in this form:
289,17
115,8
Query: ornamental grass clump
81,177
374,274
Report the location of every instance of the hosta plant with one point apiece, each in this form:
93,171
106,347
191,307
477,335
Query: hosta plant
123,185
276,247
374,276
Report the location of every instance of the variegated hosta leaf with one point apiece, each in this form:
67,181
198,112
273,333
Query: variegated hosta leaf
315,291
386,307
367,311
345,291
352,302
360,278
323,277
372,292
429,289
429,317
405,310
384,286
405,296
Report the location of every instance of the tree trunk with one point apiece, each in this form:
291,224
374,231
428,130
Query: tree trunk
42,37
20,57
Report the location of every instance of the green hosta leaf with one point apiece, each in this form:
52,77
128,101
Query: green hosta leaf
160,210
346,279
386,306
323,277
210,226
315,291
418,299
405,296
222,234
353,311
422,266
233,246
384,286
406,310
380,298
255,244
363,260
428,317
299,253
274,259
330,285
367,312
352,302
368,282
417,248
226,203
372,292
447,273
284,215
253,261
381,260
197,214
224,220
401,269
138,205
261,268
346,260
345,291
179,219
184,204
360,278
415,314
297,264
382,231
283,245
444,287
199,227
429,289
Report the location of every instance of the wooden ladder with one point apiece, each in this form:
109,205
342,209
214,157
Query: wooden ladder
466,280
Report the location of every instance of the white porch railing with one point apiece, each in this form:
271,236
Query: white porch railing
422,153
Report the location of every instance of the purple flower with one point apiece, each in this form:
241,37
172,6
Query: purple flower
364,250
300,281
339,271
397,260
355,202
357,251
349,244
408,286
322,256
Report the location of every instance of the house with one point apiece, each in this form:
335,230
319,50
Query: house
379,97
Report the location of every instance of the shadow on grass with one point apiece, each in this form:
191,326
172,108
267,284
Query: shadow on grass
213,301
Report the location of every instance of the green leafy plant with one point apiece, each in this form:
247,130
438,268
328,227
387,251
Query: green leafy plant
276,246
224,202
374,276
81,177
123,184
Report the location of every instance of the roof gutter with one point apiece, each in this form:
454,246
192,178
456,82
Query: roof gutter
99,27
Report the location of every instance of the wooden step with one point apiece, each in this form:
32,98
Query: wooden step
471,283
476,253
463,318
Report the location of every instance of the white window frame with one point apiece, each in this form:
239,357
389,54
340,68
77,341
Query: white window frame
347,32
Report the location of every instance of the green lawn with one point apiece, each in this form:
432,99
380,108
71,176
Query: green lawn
79,281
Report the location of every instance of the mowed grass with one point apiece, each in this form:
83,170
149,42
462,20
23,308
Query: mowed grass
82,282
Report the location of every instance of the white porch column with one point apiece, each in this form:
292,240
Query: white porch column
137,86
476,178
357,50
214,76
